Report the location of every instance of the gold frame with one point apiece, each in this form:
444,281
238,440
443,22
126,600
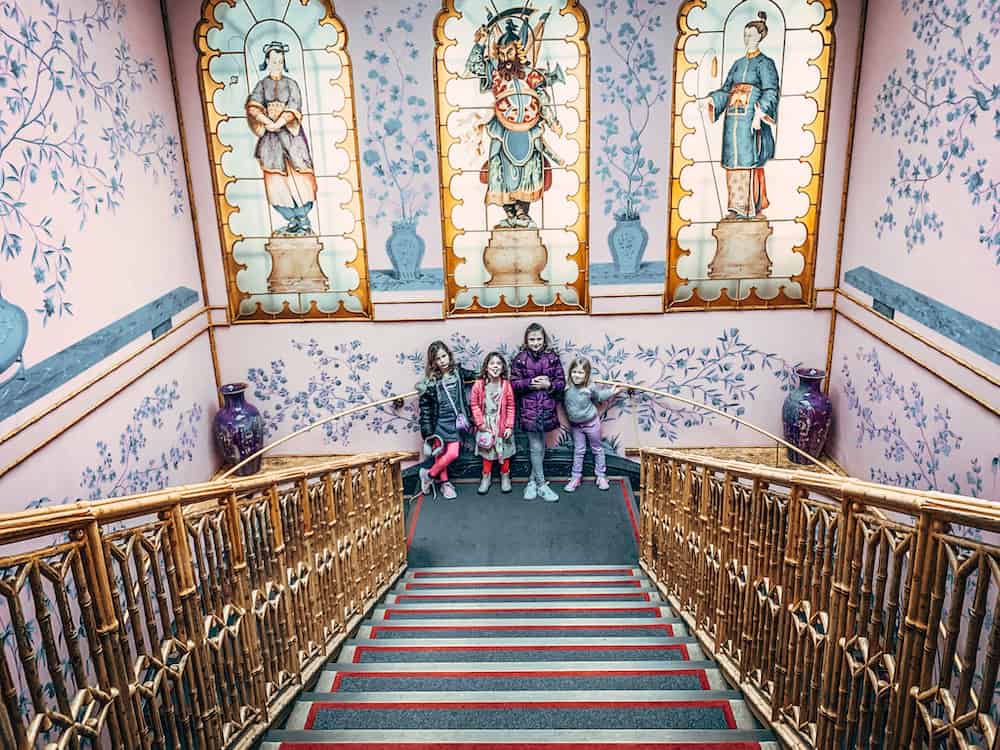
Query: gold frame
814,190
220,180
582,169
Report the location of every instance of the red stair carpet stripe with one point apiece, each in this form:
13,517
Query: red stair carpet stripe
521,572
360,651
377,630
520,746
699,673
413,521
527,612
631,510
727,710
634,583
629,595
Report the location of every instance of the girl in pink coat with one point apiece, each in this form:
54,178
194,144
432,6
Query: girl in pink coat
492,404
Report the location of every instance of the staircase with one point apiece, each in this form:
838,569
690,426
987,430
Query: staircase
521,657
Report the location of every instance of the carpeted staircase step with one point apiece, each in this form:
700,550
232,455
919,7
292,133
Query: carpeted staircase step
574,657
527,594
523,610
476,676
563,739
525,628
522,649
557,709
526,571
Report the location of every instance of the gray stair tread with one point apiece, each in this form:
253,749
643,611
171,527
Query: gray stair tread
523,666
550,622
525,696
525,590
525,568
524,642
522,736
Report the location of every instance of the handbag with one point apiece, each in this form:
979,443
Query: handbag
485,439
461,421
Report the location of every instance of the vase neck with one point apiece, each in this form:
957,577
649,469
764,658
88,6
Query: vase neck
234,398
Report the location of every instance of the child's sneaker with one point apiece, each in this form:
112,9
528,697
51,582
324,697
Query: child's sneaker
505,483
530,490
426,482
547,494
484,484
448,491
602,483
572,485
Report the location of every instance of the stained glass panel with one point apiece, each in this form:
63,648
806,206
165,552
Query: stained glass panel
512,105
277,90
749,131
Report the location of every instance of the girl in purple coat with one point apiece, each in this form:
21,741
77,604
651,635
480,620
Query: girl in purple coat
538,380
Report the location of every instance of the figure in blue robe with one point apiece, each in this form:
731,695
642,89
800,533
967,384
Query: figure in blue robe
748,102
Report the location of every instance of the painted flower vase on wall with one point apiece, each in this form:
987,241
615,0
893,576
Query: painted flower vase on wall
628,239
13,335
238,429
405,249
806,415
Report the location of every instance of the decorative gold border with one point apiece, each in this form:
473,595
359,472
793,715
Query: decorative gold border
814,190
581,167
220,180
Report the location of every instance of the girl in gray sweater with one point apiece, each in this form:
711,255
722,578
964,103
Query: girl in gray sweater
580,401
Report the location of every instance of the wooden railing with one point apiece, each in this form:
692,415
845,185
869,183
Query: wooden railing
851,614
189,618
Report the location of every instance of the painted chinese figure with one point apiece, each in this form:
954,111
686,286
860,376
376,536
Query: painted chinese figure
504,58
274,113
748,102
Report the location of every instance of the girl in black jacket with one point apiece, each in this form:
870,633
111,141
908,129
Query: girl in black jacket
444,413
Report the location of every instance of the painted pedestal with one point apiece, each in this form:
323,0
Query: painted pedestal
295,265
515,257
741,250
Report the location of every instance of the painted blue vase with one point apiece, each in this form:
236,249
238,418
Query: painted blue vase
806,415
628,239
238,429
405,249
13,333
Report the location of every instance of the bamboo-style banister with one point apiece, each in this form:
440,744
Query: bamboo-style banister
851,614
193,615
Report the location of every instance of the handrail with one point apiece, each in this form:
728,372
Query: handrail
625,385
706,407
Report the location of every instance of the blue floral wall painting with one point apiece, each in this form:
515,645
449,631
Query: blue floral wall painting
943,107
512,87
918,439
71,127
632,82
745,183
279,108
399,147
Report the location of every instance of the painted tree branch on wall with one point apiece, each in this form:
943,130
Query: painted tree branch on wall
634,84
51,63
340,383
399,146
916,437
940,104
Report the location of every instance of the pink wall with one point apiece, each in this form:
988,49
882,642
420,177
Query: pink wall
123,212
915,420
245,349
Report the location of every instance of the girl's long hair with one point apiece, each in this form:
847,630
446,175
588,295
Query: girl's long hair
432,371
579,362
531,329
505,373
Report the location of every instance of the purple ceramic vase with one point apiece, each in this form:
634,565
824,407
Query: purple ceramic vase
806,415
238,429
